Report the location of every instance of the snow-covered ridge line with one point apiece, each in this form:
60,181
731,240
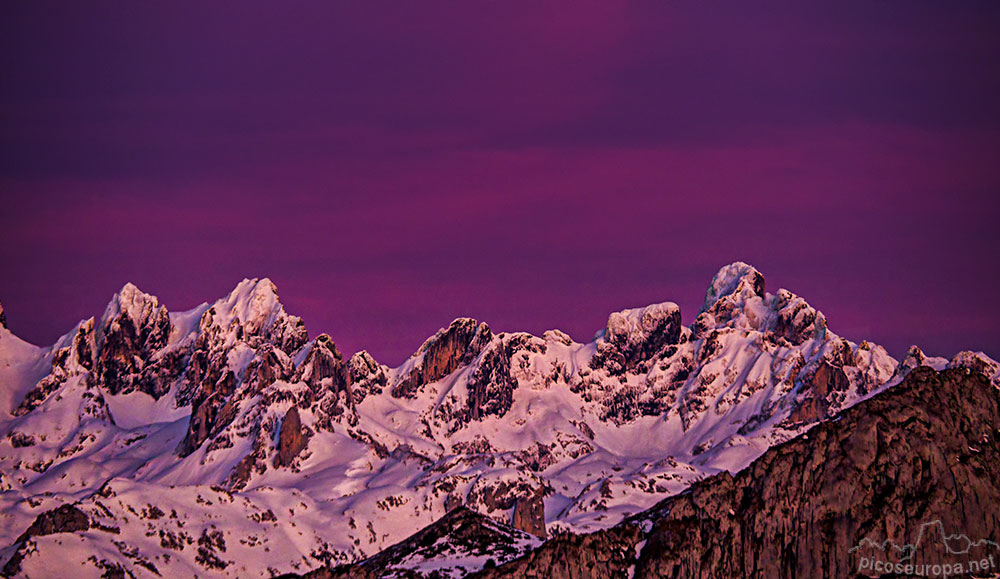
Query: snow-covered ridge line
232,403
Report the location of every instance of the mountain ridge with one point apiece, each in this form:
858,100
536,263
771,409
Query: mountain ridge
540,432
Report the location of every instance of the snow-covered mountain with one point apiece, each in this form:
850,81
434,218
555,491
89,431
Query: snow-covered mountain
223,441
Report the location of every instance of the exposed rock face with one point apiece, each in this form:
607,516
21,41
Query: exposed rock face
452,347
64,519
72,360
291,440
3,320
800,508
797,320
206,411
736,279
324,368
827,381
491,387
733,299
914,358
250,321
529,514
134,328
320,390
977,363
366,376
634,336
270,365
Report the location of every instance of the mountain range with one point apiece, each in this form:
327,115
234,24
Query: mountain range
225,441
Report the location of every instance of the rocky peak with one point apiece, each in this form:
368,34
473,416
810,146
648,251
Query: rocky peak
557,337
737,280
366,376
133,306
249,324
3,320
323,368
915,358
977,362
735,299
253,314
443,353
254,302
134,328
634,336
795,320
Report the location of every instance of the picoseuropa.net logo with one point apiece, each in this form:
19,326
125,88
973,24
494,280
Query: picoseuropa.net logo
933,554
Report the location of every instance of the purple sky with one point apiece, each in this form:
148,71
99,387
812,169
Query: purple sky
536,165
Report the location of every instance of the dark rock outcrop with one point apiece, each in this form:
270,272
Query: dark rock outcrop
796,320
633,337
732,288
607,553
3,319
449,349
826,381
291,439
270,365
736,280
529,514
63,519
365,376
324,368
206,411
460,534
74,359
491,386
518,502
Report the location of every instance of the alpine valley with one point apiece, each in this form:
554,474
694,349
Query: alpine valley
224,441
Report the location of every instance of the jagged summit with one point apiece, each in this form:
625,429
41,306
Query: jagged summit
458,326
132,303
634,335
253,314
251,301
441,354
736,299
738,279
